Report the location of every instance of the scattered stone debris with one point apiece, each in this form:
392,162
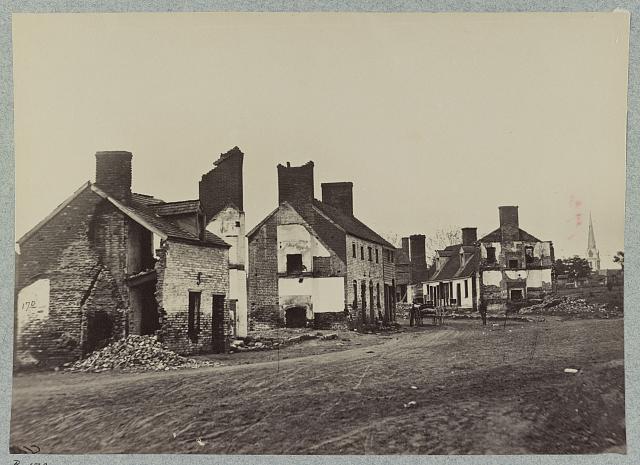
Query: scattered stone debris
572,306
135,353
250,343
570,370
410,404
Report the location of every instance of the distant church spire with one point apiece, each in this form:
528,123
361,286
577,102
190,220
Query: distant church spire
593,256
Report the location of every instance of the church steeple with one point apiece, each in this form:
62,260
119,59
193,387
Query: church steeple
593,256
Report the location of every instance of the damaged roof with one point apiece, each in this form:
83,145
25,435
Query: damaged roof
452,269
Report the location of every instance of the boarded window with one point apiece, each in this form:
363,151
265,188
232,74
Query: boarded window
194,316
294,263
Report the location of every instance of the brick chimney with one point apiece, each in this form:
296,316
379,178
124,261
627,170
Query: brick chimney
295,184
113,174
469,236
405,246
509,225
418,258
339,195
223,184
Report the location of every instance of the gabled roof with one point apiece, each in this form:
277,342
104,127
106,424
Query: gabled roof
182,207
496,236
140,210
146,199
452,269
350,224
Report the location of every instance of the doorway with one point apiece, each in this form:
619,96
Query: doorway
296,317
217,324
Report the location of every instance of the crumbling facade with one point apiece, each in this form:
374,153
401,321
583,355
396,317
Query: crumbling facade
314,262
108,262
515,265
503,269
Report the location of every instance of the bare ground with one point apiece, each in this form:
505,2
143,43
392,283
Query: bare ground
479,391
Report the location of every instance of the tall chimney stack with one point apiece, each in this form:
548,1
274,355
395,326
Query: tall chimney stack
418,258
509,224
339,195
223,184
113,174
469,236
295,184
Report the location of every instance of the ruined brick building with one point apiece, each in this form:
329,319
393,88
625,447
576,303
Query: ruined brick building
506,267
411,269
108,262
314,261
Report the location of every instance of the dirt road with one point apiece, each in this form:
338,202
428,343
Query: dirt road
479,391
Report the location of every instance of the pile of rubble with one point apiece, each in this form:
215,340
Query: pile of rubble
135,353
571,306
250,343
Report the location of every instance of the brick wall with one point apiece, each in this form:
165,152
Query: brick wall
67,251
179,266
262,286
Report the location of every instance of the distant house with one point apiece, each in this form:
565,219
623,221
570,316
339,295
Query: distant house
506,267
313,262
455,281
108,262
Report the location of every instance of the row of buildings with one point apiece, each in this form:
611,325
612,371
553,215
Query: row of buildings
109,262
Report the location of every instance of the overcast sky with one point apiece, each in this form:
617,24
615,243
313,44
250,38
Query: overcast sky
436,118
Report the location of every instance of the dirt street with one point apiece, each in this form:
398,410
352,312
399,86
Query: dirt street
476,391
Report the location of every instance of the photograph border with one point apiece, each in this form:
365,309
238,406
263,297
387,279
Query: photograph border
632,216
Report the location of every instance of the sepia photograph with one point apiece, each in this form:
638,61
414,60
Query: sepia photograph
319,233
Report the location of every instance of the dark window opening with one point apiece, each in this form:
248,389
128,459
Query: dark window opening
378,293
377,256
491,254
517,294
370,254
513,263
528,253
353,246
362,252
466,288
194,316
237,224
294,263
